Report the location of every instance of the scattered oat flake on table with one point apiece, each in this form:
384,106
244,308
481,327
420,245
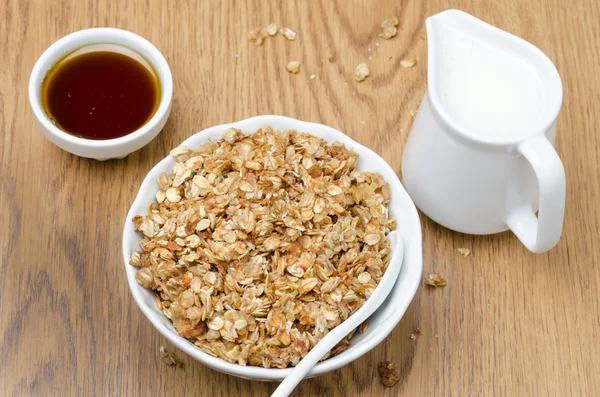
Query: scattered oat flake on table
418,331
271,29
288,33
168,358
408,62
293,67
413,337
361,72
313,76
435,280
256,36
464,251
389,28
387,373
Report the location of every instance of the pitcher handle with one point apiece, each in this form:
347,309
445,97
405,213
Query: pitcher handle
541,233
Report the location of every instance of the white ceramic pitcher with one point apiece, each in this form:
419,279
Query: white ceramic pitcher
480,156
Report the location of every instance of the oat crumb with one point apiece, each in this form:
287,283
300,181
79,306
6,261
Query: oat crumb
288,33
271,29
435,280
168,357
389,28
361,72
257,37
413,337
293,67
313,76
387,373
464,251
418,331
408,62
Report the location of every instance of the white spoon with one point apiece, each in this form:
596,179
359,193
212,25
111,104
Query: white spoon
338,333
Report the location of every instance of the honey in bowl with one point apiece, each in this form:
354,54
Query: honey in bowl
101,91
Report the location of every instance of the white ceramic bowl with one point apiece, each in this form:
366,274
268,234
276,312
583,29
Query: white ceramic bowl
110,148
381,322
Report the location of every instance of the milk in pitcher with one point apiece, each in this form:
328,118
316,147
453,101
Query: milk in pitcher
485,90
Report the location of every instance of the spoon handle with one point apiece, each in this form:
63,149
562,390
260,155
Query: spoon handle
338,333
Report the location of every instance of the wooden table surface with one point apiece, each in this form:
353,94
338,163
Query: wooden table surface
508,323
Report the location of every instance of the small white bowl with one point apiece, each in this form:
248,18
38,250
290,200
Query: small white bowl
110,148
381,322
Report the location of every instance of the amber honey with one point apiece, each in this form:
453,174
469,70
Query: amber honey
101,92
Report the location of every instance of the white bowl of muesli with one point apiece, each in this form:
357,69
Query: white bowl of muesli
252,240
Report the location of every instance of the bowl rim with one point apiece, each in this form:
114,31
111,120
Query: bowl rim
412,263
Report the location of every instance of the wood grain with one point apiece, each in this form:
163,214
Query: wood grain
508,323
